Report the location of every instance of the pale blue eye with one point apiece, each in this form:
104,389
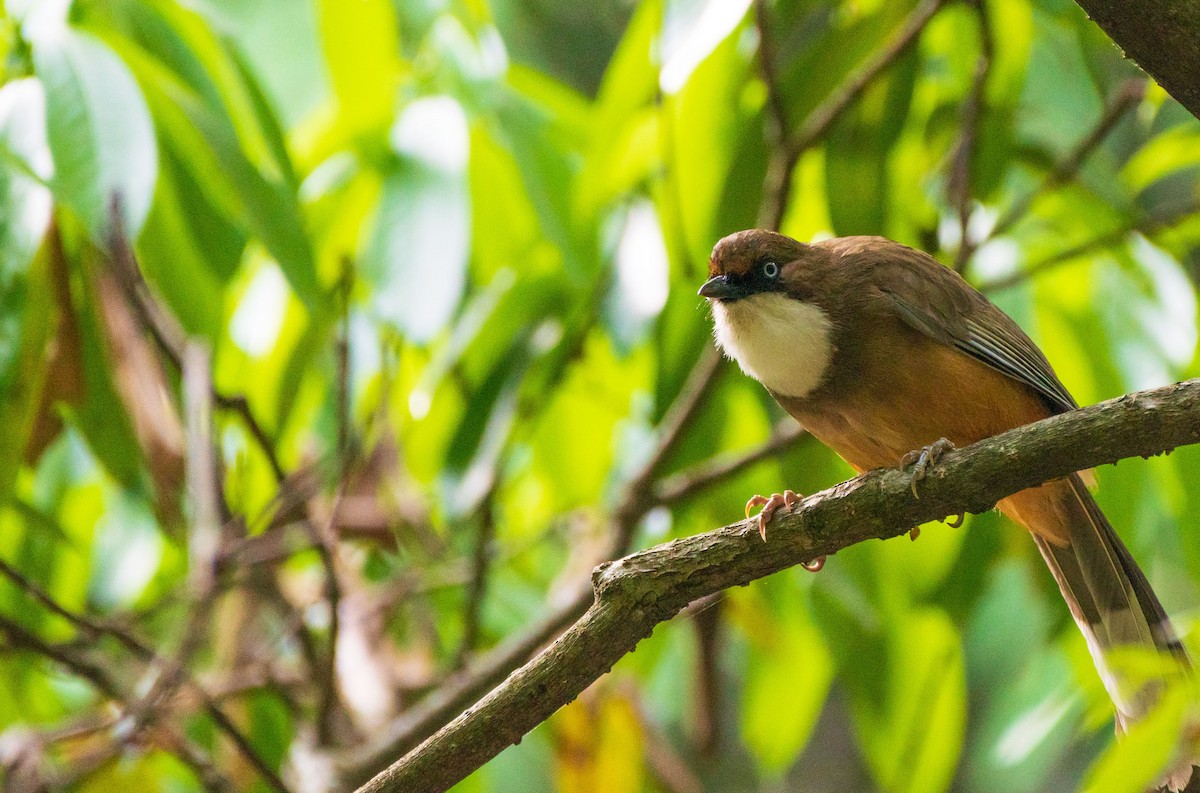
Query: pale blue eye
771,270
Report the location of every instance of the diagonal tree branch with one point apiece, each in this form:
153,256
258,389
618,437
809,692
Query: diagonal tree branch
784,158
634,594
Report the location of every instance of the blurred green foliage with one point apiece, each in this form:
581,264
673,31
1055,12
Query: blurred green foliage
503,209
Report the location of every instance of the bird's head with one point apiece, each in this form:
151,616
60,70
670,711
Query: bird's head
753,262
760,287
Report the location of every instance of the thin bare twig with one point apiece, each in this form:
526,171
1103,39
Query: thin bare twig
671,490
203,476
1147,226
1127,97
169,336
23,638
637,495
94,629
707,709
778,186
958,185
777,117
481,555
326,540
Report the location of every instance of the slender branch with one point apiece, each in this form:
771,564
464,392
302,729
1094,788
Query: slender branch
778,185
169,336
481,556
203,477
458,692
94,629
777,117
204,542
1145,226
671,490
324,540
637,495
958,185
22,638
636,593
1125,99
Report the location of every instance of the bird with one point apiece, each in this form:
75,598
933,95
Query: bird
889,357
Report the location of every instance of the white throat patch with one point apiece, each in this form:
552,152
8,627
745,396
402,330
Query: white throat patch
782,343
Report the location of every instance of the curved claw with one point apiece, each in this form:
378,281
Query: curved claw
922,458
814,565
787,498
755,501
956,521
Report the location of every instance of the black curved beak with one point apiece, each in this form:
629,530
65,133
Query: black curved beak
720,287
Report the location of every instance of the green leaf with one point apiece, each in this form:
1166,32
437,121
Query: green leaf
1150,748
26,302
858,151
99,129
26,322
416,259
265,206
775,674
710,117
913,743
361,41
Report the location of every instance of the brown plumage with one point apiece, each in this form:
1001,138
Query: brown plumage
898,351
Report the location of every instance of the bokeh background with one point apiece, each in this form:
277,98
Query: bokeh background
444,257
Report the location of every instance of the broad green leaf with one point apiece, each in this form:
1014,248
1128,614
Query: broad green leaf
624,129
361,41
1150,749
790,663
99,130
27,316
913,742
710,116
416,259
26,301
267,208
1059,102
547,159
1166,153
858,152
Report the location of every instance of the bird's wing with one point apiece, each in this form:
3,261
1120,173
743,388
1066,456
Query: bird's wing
934,300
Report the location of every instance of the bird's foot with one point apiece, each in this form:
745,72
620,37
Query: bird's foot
787,498
921,459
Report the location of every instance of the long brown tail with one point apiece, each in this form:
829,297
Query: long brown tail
1109,596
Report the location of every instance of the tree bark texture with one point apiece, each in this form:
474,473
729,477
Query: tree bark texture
1161,36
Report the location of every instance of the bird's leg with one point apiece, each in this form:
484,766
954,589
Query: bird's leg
921,459
787,498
